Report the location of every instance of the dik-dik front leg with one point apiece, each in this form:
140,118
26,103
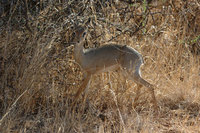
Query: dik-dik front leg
83,86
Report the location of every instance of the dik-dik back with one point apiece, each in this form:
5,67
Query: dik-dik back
111,56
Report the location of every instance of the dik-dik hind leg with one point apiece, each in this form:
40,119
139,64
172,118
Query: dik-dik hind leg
139,80
82,87
137,95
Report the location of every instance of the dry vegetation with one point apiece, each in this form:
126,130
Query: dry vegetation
38,76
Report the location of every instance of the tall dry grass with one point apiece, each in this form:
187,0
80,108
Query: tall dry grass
38,75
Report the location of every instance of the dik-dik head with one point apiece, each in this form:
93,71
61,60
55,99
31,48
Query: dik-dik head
79,35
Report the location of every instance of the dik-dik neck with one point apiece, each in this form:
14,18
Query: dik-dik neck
79,52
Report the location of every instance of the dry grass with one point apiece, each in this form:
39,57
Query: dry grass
38,76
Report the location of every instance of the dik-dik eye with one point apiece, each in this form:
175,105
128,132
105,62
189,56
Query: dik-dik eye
73,34
84,33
